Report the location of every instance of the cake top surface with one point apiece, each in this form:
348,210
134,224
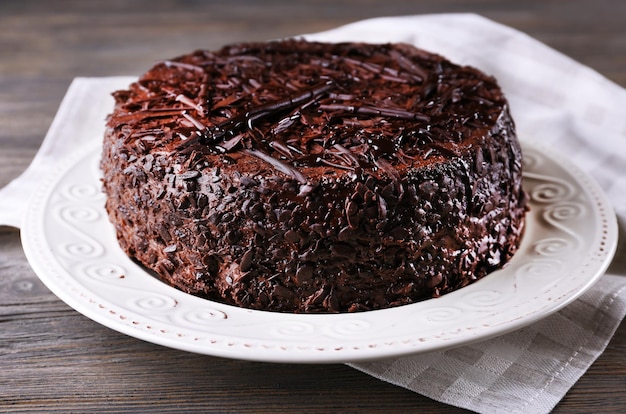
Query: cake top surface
306,108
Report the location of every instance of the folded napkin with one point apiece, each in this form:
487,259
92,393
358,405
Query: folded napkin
555,101
527,371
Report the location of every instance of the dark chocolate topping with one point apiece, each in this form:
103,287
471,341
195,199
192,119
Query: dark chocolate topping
310,177
310,104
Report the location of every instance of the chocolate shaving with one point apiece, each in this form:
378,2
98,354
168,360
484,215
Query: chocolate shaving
340,109
278,164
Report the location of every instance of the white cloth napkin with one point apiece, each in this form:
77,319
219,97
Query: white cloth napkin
555,101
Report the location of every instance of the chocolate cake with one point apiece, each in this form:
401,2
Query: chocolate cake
296,176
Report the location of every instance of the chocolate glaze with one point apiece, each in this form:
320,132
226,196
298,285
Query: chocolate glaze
308,177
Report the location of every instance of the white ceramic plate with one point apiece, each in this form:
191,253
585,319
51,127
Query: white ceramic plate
570,238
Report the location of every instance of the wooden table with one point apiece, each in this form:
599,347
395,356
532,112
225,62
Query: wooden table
54,359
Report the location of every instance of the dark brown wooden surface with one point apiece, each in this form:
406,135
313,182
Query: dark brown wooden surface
53,359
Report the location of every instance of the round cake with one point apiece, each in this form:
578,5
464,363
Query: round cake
297,176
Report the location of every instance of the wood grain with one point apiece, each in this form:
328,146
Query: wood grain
53,359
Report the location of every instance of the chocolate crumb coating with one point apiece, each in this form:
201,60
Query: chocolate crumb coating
295,176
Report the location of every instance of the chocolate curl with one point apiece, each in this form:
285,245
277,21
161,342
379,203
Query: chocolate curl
245,120
338,109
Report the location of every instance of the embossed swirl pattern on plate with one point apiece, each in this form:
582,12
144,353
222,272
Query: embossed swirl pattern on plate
349,328
562,216
484,298
443,314
76,209
82,192
77,214
81,249
557,205
152,302
105,272
552,246
293,329
204,316
550,270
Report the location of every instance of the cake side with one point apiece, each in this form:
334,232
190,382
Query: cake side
303,201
